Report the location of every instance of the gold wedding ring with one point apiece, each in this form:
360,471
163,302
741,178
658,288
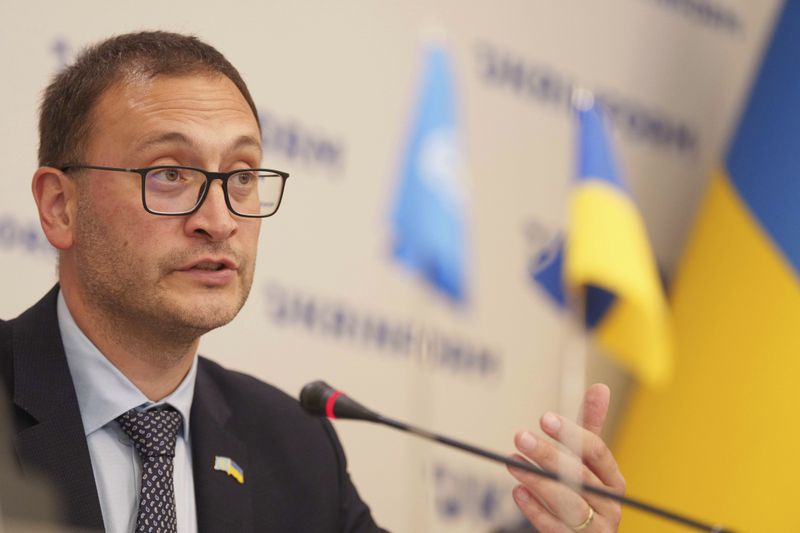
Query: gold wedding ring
586,523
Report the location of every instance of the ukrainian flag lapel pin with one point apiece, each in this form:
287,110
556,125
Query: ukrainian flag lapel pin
229,466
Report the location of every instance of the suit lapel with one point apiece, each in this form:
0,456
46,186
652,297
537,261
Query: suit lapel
223,504
54,442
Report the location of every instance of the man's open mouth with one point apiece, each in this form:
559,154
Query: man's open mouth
209,266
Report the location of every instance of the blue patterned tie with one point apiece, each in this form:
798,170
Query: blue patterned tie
154,434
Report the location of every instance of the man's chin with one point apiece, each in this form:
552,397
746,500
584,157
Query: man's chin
203,307
204,312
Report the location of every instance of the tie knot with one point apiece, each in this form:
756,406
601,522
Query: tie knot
153,432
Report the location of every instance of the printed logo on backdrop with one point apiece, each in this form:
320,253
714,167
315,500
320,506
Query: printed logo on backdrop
300,144
544,85
464,496
24,236
542,244
709,14
378,335
62,51
544,251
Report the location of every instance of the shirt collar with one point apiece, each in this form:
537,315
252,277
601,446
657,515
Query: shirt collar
103,391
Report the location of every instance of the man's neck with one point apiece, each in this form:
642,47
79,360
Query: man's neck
156,364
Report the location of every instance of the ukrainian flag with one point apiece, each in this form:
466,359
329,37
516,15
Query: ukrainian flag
722,441
227,465
606,262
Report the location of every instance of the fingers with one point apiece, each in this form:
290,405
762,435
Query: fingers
595,407
552,458
551,506
560,500
588,446
537,514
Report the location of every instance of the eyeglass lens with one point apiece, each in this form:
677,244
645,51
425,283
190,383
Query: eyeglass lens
171,190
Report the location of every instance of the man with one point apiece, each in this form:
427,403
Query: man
149,187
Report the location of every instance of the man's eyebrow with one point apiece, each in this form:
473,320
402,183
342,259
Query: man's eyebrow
176,137
172,137
246,141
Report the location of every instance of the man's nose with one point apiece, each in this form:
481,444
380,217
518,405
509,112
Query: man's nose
213,219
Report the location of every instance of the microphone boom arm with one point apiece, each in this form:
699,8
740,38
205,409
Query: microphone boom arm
532,468
321,399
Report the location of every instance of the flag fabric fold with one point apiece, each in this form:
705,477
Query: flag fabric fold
605,263
721,441
429,213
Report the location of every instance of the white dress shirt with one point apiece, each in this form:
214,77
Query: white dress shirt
104,393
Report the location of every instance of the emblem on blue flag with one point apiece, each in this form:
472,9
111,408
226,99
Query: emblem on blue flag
428,218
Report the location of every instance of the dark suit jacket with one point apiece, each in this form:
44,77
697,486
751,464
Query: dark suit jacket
295,476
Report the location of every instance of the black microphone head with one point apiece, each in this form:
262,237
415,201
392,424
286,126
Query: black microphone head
319,398
314,397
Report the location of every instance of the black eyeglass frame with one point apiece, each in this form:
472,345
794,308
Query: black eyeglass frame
210,177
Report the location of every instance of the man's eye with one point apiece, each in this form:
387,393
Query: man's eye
169,174
244,178
166,176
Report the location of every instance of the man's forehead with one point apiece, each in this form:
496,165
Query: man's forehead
161,138
201,90
166,110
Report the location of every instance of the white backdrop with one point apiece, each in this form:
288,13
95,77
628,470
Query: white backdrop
336,84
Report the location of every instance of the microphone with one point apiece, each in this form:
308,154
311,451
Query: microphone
319,398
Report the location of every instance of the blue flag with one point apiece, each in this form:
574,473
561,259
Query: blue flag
429,212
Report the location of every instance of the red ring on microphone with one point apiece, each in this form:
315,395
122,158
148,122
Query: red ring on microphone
330,403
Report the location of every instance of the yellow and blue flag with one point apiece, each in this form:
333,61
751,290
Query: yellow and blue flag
606,262
722,441
229,466
429,216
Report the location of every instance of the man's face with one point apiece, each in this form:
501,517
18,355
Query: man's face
181,275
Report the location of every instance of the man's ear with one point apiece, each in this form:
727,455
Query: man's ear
55,197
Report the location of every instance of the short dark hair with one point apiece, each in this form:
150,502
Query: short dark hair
65,115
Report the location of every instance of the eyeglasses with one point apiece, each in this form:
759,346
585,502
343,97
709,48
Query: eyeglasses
175,190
